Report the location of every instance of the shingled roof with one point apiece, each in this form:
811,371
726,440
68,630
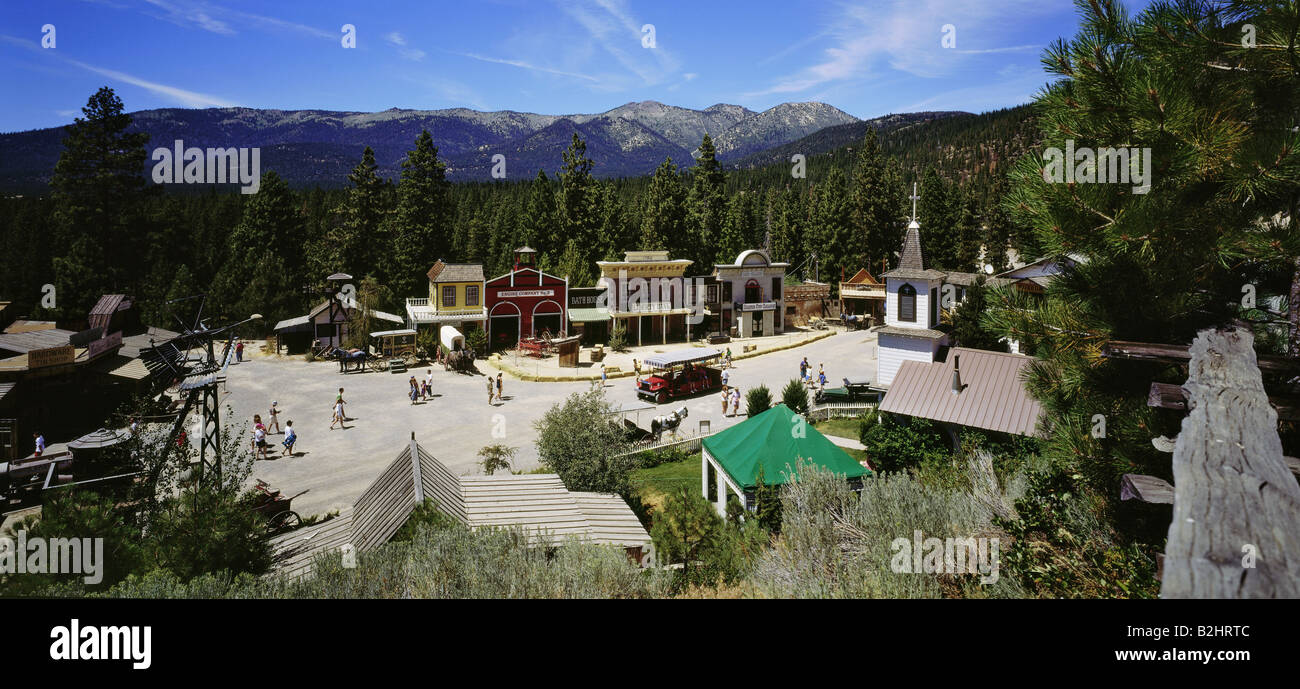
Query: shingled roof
992,395
911,263
456,272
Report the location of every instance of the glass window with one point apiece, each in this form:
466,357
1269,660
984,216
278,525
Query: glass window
471,295
726,292
449,295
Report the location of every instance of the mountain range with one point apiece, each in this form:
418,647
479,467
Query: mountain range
309,147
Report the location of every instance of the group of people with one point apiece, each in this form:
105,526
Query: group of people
806,375
421,391
260,431
730,396
494,386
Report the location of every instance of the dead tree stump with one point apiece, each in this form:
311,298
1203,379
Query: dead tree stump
1236,526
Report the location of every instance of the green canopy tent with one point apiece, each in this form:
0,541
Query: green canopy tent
772,442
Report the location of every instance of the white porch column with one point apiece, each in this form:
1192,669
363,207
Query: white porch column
664,332
638,331
704,475
722,496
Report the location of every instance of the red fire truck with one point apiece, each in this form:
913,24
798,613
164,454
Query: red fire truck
681,374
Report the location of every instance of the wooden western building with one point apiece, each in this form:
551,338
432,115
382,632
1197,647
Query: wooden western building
751,294
525,302
648,294
455,299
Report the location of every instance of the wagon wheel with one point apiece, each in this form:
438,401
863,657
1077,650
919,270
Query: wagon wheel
377,363
284,521
408,358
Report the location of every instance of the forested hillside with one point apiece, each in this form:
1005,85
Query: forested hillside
258,252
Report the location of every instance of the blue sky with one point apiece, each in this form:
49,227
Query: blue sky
866,57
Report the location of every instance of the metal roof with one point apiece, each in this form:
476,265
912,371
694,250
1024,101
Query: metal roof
920,333
538,503
132,345
299,322
682,356
588,315
993,396
99,439
23,343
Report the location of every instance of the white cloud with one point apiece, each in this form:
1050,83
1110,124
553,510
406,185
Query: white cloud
399,41
526,65
868,40
219,20
611,24
176,94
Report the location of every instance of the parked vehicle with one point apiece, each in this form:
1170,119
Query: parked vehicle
681,374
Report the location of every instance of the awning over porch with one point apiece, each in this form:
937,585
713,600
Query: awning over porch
591,315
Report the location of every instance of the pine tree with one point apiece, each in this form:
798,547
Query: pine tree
939,212
1164,262
579,223
264,273
539,228
706,205
421,224
357,240
878,206
98,191
831,236
663,219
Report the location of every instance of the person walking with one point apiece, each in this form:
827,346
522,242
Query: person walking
339,418
40,444
413,390
491,389
259,441
803,370
500,397
725,377
735,401
239,350
428,384
290,438
273,418
726,396
604,375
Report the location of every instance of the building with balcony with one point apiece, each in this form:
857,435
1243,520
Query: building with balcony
456,298
650,296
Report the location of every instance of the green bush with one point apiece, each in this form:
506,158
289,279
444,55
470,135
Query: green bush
618,338
476,341
576,441
686,530
795,396
1062,548
757,401
897,443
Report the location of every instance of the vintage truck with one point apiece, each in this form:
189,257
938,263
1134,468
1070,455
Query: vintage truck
681,374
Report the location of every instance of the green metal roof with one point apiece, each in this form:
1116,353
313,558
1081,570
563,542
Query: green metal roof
769,441
588,315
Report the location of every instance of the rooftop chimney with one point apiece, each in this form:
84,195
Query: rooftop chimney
956,375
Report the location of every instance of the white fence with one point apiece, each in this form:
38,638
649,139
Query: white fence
834,410
690,442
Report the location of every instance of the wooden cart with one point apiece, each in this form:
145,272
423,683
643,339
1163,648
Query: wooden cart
392,346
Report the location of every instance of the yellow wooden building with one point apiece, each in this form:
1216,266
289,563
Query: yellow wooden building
456,298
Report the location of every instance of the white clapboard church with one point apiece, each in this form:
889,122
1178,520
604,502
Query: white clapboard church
912,296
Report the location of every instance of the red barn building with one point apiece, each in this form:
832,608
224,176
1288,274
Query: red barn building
525,302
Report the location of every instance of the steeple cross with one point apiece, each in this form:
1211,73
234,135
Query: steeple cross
914,197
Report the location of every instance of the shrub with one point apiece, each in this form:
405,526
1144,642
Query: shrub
757,400
618,338
795,396
835,543
687,530
896,443
476,341
493,457
576,440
